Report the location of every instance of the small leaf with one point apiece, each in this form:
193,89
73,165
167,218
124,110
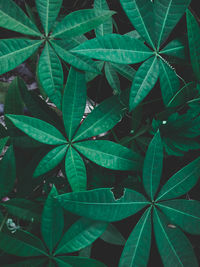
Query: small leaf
109,154
52,221
38,130
175,48
101,205
51,160
3,142
112,236
115,48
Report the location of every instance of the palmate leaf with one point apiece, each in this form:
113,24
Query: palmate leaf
152,169
101,205
38,130
15,51
184,213
74,101
103,118
52,221
144,81
51,160
115,48
181,182
80,235
169,82
75,170
174,248
13,18
109,154
48,11
7,172
137,247
50,74
167,13
194,43
69,261
80,22
140,13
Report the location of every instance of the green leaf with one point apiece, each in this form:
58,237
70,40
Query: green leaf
51,75
30,262
167,14
184,213
101,205
13,18
17,49
144,80
115,48
103,118
153,164
77,262
80,22
21,243
137,248
174,248
51,160
75,170
76,61
140,13
109,154
3,142
80,235
169,82
181,182
48,11
38,130
194,43
112,236
107,26
74,101
23,208
112,78
125,70
7,172
175,48
52,221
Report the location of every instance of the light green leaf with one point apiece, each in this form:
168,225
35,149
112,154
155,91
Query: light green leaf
181,182
103,118
115,48
38,130
75,170
80,235
48,11
184,213
137,247
69,261
80,22
109,155
15,51
140,13
107,26
50,74
112,78
169,82
125,70
194,43
74,101
52,221
175,48
153,163
174,248
13,18
77,62
51,160
167,14
144,81
101,205
112,236
7,172
21,243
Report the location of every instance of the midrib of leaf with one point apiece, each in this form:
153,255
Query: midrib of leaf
19,51
171,49
19,23
117,50
171,245
50,68
73,161
107,204
169,83
136,247
163,25
47,16
177,184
